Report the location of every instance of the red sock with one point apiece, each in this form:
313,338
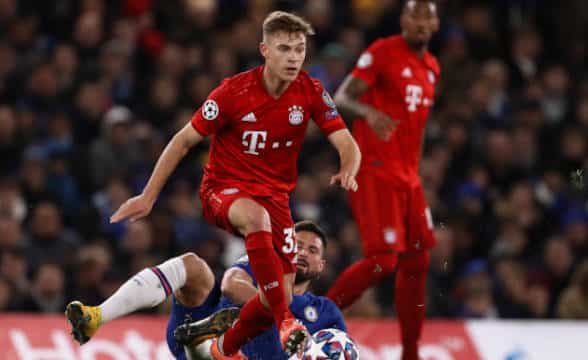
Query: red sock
411,281
359,277
254,319
268,272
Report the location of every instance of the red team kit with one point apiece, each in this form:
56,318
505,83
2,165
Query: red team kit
390,206
256,145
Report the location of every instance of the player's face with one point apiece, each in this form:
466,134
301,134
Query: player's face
284,54
419,22
310,256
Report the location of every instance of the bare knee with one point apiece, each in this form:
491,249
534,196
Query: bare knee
248,216
199,281
258,219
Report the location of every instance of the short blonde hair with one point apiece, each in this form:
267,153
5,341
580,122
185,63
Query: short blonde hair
287,22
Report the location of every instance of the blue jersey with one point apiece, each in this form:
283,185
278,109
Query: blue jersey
315,312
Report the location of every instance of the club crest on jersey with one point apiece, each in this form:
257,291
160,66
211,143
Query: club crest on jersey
328,99
431,76
310,313
210,109
296,115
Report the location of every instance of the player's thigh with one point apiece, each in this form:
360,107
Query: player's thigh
180,313
199,281
248,216
379,211
218,209
282,227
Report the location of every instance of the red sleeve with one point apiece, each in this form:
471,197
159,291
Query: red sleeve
367,66
213,115
324,111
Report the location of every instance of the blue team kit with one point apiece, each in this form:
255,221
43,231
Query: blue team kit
315,312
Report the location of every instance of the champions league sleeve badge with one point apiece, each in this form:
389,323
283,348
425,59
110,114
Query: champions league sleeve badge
210,110
328,100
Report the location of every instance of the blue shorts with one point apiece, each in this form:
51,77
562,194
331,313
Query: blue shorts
179,314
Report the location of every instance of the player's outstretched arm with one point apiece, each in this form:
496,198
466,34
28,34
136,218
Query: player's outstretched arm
141,205
350,158
347,100
237,286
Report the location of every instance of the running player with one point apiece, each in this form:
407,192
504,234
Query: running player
257,120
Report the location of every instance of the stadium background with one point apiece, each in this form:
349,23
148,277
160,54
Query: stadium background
91,91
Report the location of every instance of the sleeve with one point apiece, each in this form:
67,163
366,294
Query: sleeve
324,111
367,66
337,316
213,115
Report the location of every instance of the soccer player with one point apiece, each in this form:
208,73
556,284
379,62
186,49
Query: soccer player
257,120
196,295
390,93
239,285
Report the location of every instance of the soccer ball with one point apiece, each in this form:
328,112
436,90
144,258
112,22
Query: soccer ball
331,344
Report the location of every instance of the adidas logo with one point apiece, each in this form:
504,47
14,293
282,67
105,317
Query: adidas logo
406,73
250,117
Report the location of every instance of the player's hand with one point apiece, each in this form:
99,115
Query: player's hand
134,209
346,181
381,123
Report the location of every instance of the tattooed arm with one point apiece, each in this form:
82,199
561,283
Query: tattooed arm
347,99
348,94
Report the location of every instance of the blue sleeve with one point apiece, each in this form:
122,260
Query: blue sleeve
337,316
243,263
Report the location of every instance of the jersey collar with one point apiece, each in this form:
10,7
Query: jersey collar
261,85
427,58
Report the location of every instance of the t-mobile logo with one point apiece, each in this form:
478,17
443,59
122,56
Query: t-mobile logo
254,140
414,96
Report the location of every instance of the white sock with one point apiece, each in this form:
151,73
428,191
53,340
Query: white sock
147,289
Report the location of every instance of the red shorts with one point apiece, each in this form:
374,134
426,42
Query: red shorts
217,199
391,219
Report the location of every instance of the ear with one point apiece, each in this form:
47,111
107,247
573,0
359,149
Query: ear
263,49
403,20
436,24
322,265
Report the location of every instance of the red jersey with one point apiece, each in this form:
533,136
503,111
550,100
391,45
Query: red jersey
401,85
256,138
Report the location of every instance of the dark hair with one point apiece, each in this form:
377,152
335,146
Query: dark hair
283,21
310,226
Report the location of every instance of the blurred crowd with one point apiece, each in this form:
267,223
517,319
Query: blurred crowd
92,90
